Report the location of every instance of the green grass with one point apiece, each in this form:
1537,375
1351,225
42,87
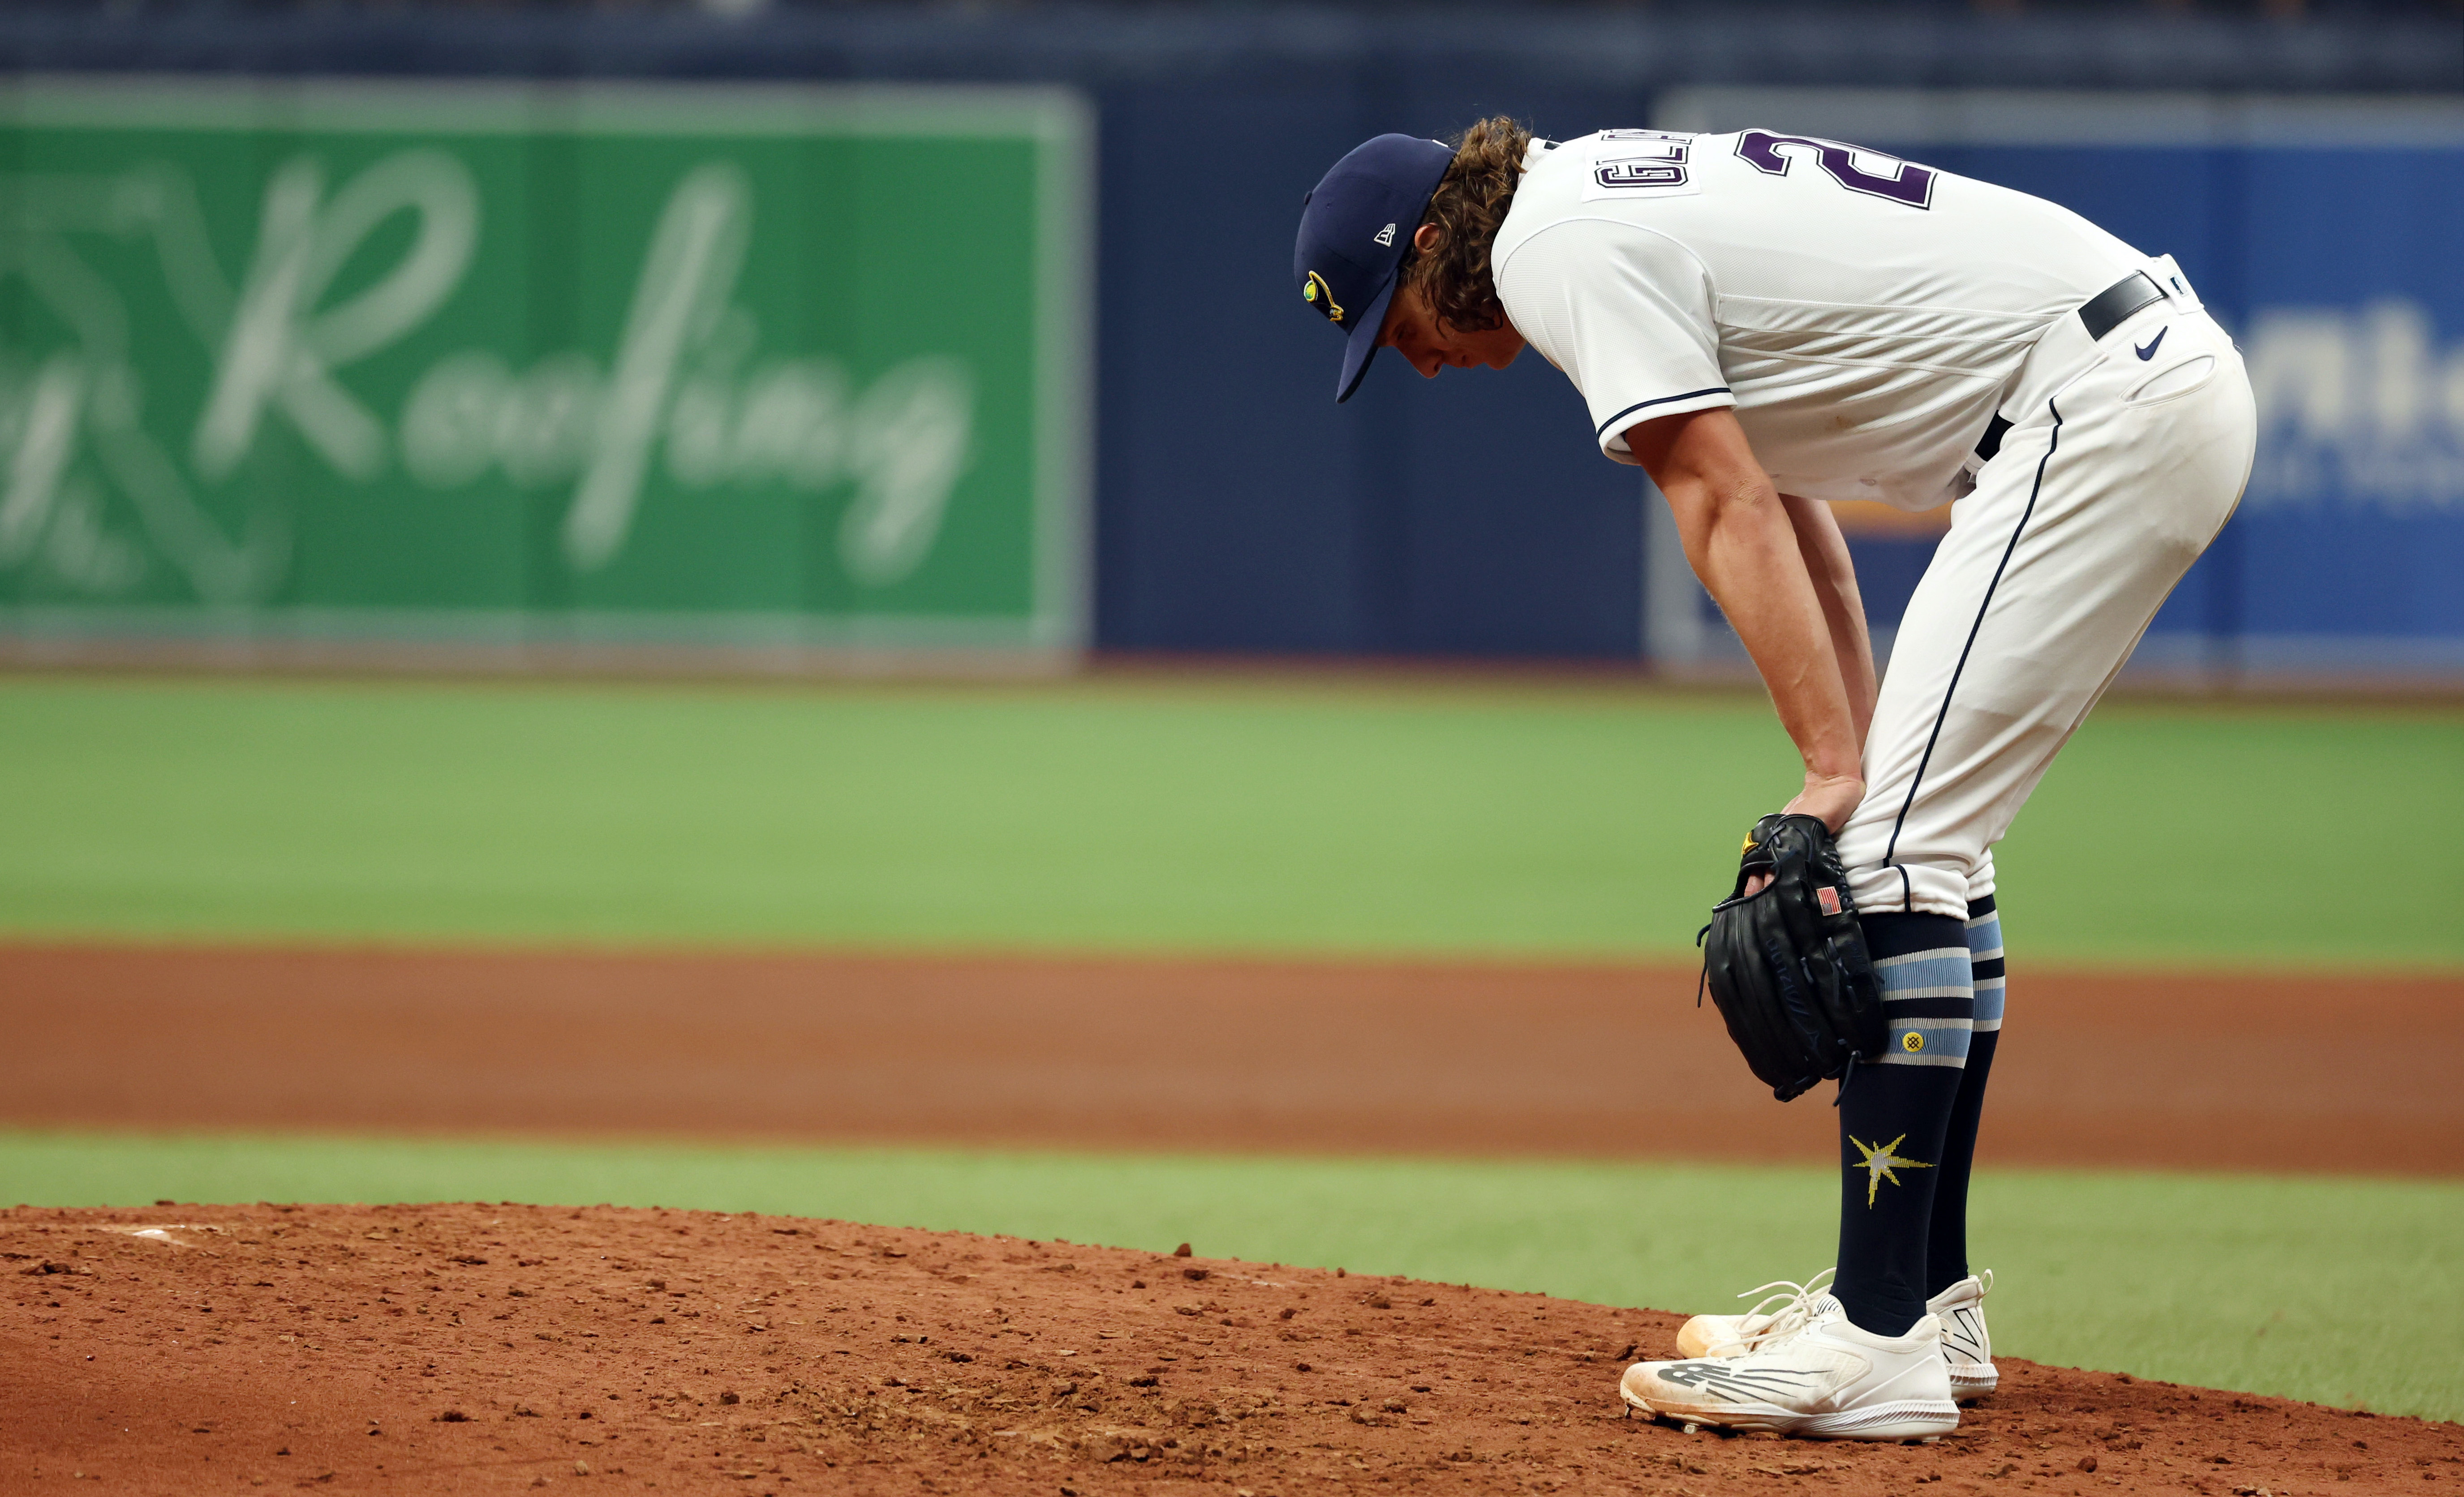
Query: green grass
1236,816
2342,1290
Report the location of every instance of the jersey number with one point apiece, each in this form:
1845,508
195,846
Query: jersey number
1908,183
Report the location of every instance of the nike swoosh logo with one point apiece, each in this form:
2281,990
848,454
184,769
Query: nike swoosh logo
2149,352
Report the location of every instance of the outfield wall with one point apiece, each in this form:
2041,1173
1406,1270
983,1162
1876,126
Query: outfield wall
1230,505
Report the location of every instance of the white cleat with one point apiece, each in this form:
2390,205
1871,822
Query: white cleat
1967,1350
1826,1378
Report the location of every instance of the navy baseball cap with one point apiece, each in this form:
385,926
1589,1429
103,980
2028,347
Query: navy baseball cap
1355,228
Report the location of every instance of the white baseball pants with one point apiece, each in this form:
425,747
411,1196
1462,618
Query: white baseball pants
2118,470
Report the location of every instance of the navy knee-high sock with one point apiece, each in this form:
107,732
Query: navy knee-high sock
1947,1244
1893,1114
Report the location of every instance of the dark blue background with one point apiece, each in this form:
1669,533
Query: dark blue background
1238,506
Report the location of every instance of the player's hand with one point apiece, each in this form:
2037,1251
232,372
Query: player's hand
1834,797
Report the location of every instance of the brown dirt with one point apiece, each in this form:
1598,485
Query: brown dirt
474,1348
2250,1071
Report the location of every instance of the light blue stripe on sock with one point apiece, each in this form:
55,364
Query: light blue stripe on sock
1985,945
1947,971
1942,1042
1985,936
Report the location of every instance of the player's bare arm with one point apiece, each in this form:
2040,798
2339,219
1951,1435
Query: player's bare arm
1778,566
1744,541
1834,575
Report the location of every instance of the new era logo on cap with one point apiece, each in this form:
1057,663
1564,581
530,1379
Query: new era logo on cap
1385,236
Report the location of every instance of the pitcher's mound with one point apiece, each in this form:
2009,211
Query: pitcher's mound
474,1348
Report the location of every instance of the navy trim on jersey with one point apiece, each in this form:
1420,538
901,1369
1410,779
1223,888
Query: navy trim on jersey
1603,429
1935,736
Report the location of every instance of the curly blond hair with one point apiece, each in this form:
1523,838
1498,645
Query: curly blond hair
1452,277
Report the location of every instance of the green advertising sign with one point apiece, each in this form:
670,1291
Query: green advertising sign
531,364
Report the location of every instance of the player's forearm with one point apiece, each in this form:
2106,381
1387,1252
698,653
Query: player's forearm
1741,543
1834,573
1742,547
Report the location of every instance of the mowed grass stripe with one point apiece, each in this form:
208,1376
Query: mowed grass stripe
1239,816
2341,1290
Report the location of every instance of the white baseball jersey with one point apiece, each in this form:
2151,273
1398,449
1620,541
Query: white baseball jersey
1865,315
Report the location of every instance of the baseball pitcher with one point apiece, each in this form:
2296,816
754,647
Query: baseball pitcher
1766,322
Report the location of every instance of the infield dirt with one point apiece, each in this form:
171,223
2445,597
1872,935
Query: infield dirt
467,1349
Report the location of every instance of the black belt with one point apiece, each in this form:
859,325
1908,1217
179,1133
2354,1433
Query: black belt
2100,314
2114,305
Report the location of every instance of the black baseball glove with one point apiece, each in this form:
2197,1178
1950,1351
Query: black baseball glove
1788,965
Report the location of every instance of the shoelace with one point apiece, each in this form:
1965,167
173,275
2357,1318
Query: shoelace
1797,1304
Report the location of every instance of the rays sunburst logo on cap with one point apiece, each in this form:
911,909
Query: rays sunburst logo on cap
1321,295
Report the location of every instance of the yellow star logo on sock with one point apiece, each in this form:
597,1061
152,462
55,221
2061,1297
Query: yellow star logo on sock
1878,1161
